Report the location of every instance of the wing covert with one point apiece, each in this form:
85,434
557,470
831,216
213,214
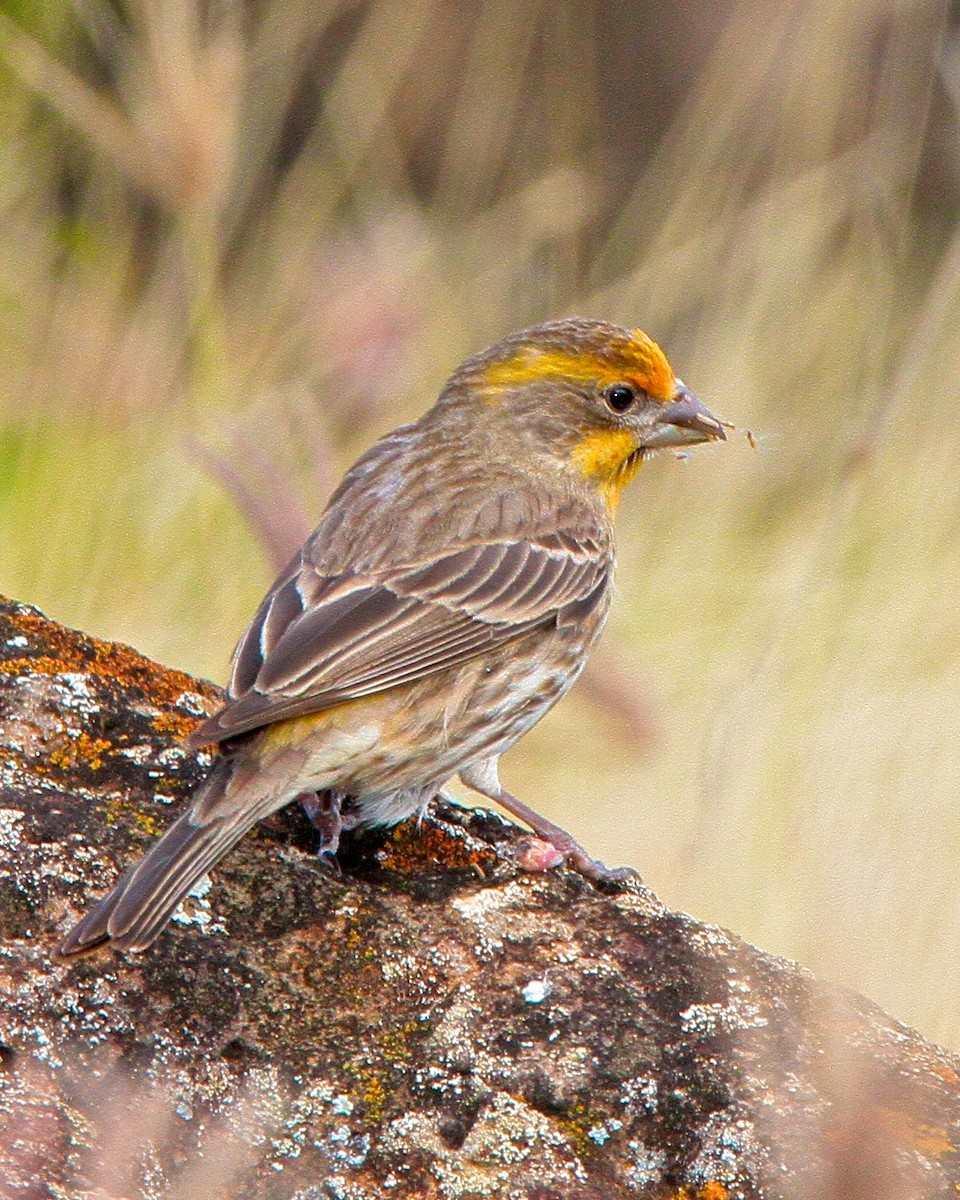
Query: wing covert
318,640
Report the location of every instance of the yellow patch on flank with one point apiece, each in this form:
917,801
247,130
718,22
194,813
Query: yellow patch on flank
601,457
346,718
293,730
636,360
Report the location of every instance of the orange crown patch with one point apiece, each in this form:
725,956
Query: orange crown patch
637,360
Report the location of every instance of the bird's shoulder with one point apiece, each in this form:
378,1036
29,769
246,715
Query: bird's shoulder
407,500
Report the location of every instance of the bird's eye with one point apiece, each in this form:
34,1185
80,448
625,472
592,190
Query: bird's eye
620,397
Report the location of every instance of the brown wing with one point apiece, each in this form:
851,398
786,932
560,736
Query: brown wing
319,640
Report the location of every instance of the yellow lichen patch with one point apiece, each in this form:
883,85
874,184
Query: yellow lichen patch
636,360
604,458
82,750
712,1191
118,811
395,1042
374,1095
375,1088
932,1142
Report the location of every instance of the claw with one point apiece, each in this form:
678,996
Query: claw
597,872
328,862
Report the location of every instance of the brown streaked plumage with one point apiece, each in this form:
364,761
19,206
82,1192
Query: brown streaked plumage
448,598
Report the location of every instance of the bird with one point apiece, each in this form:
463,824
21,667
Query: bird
448,598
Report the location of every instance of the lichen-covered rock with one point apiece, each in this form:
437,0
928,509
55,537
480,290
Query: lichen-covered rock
434,1023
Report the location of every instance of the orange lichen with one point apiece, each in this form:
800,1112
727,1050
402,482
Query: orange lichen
175,723
932,1141
63,649
411,849
712,1191
81,750
947,1074
890,1128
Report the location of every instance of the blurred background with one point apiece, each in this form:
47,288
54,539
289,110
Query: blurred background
241,240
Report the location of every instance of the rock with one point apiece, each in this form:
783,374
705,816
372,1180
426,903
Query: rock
433,1023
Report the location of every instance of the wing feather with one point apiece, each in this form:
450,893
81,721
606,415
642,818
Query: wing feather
320,640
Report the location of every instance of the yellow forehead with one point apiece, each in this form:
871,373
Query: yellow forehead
635,359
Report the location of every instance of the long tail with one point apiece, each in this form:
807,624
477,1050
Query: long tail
234,797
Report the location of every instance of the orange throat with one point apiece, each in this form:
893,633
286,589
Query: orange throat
608,459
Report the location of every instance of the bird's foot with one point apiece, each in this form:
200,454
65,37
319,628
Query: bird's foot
535,855
598,872
552,845
543,854
323,810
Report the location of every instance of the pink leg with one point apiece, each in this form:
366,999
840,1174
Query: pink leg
484,779
565,843
323,812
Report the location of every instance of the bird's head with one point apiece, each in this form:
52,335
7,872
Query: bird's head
592,396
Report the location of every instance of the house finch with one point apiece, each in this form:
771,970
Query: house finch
448,598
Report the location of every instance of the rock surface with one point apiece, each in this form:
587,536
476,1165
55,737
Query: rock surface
434,1023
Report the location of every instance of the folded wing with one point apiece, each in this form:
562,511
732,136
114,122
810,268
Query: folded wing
319,640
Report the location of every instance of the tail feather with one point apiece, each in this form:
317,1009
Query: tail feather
160,883
133,914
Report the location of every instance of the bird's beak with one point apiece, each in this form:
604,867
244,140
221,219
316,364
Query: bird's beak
684,421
